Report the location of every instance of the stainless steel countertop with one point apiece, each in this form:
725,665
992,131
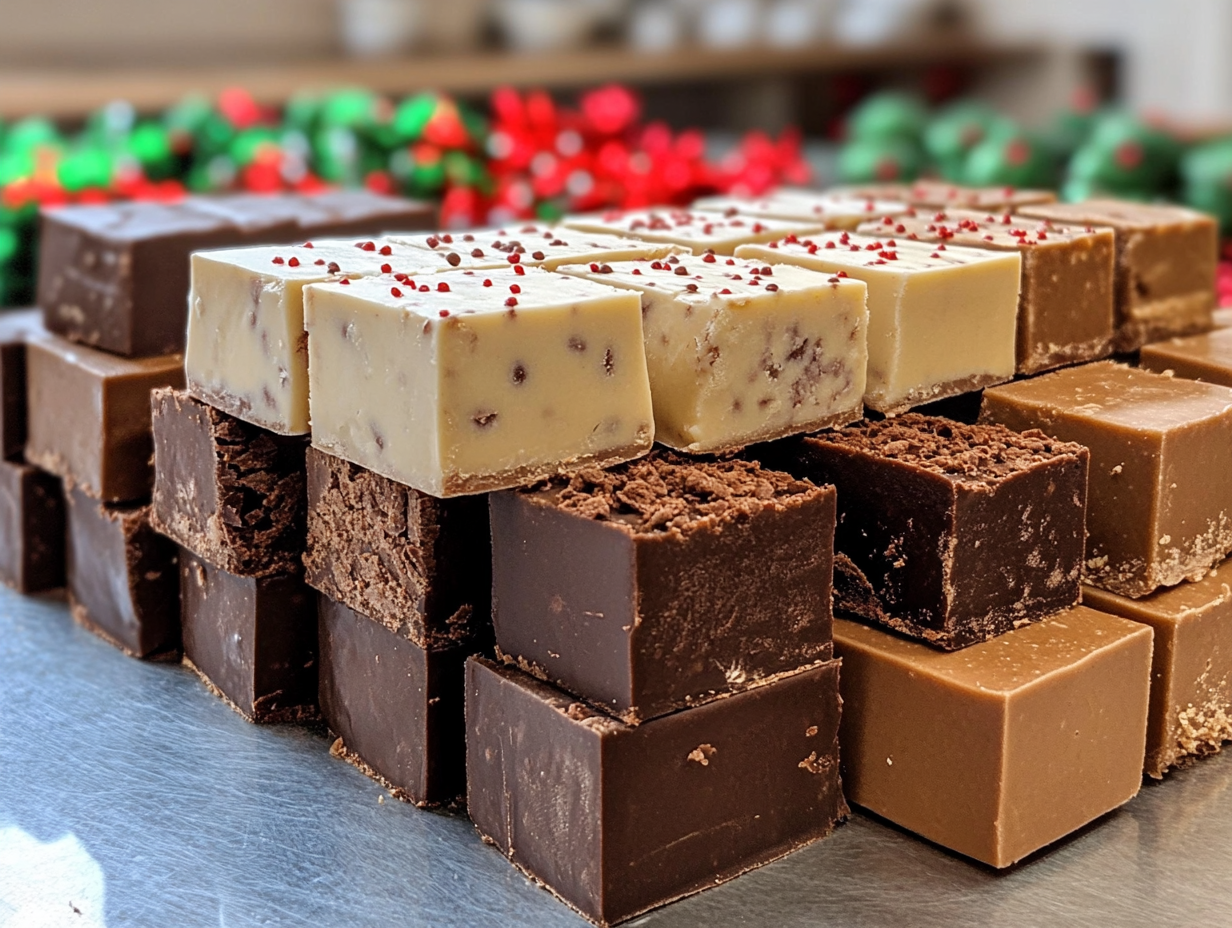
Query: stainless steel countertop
130,794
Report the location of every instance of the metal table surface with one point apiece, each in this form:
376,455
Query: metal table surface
130,797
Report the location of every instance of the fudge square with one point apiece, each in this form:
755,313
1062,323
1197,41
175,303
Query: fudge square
740,352
940,323
16,327
1065,305
89,416
31,528
252,640
247,353
1205,357
1005,747
616,820
231,492
663,582
471,381
699,232
418,565
395,707
834,211
949,533
1191,676
1159,510
122,578
1165,265
532,245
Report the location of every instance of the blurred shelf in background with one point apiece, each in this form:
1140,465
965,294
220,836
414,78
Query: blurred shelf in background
69,94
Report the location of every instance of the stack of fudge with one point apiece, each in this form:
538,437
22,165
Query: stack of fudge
625,659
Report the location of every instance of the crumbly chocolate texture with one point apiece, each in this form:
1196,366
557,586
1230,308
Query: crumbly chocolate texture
616,820
949,533
669,493
31,529
663,583
419,565
123,584
231,492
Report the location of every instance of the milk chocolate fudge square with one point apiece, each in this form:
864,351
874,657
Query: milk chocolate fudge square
16,327
89,416
949,533
231,492
395,707
252,640
1159,510
1005,747
1065,305
1206,357
471,381
663,583
616,820
123,582
1191,665
1165,265
418,565
31,528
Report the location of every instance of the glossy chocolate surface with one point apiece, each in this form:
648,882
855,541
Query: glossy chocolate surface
31,528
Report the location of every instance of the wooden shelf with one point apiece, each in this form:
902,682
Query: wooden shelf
70,94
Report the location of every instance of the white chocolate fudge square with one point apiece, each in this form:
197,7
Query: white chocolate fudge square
530,244
697,231
469,381
246,351
740,352
941,320
807,206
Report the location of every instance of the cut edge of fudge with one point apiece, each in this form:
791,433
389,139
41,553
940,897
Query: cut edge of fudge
259,715
339,750
81,615
667,492
917,396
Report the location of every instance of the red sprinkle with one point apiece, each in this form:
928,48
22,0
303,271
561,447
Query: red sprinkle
519,270
293,261
512,301
433,241
394,291
487,282
385,269
319,261
423,288
307,245
346,281
442,287
515,258
444,312
366,246
725,292
279,260
386,250
772,287
514,288
709,259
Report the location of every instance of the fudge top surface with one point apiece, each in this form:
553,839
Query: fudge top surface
1006,664
798,204
16,325
982,229
139,221
1215,347
890,254
940,194
702,278
459,293
1119,214
527,243
327,257
665,492
686,225
1116,394
103,363
347,205
969,454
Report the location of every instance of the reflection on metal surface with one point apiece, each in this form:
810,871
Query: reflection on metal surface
198,818
48,884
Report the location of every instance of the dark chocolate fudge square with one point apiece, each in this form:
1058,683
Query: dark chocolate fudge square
615,819
31,529
417,564
663,582
252,640
950,533
16,326
231,492
123,583
395,706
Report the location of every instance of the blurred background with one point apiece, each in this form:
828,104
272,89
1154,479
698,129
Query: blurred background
502,109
